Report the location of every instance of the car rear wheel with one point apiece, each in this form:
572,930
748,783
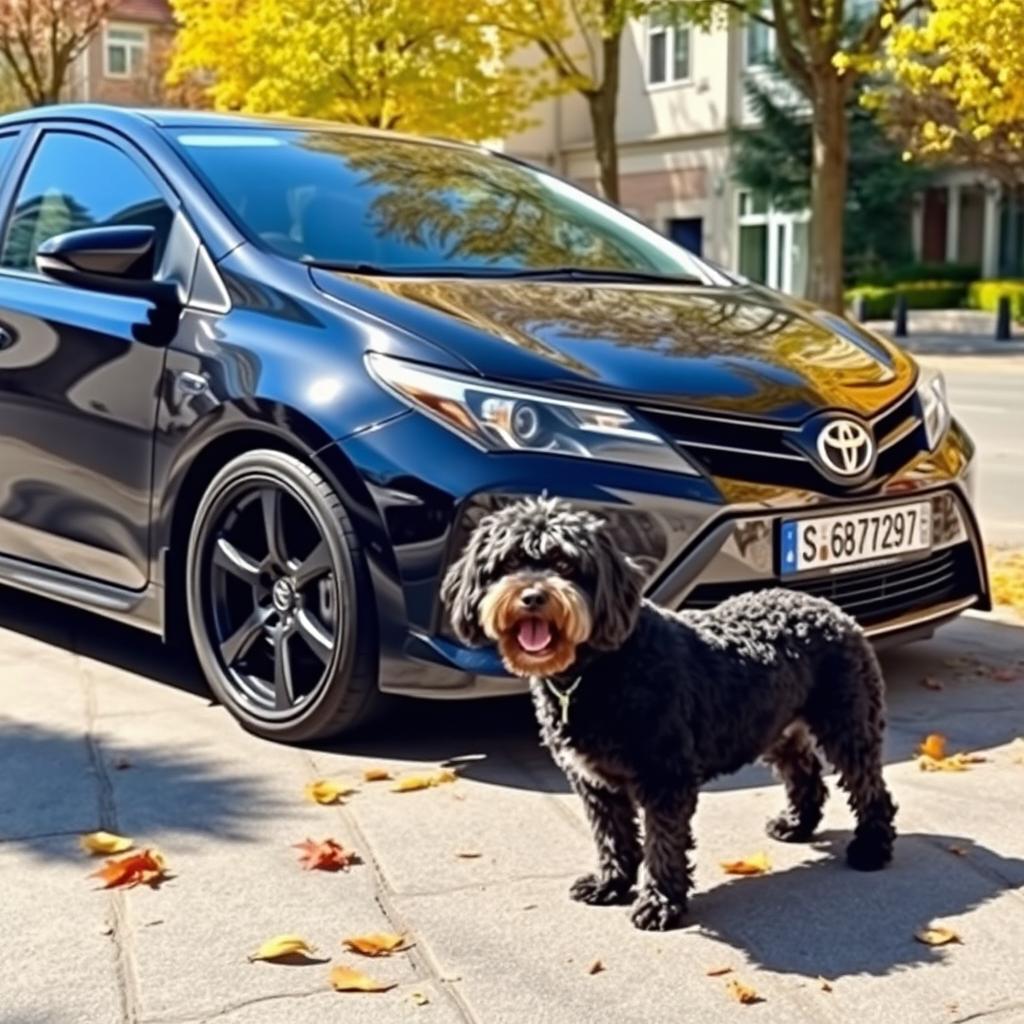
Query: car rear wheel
279,601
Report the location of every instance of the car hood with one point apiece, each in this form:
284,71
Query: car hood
741,350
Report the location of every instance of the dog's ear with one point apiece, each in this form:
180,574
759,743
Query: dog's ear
617,595
463,587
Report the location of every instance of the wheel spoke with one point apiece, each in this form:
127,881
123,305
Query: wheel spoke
320,642
316,563
273,523
284,694
242,639
227,557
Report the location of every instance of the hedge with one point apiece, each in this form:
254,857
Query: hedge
963,273
985,295
879,301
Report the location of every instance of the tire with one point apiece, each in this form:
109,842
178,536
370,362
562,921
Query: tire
279,601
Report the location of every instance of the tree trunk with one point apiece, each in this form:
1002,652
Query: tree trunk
828,192
603,103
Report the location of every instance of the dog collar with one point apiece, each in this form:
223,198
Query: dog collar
563,696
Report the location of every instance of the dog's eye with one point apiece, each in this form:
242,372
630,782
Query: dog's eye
564,567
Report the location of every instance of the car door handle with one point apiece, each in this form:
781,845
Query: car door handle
6,338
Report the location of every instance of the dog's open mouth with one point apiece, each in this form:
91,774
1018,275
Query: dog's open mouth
534,635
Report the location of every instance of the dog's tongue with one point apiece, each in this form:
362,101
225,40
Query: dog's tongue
534,635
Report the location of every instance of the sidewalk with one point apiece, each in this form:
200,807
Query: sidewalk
100,728
955,333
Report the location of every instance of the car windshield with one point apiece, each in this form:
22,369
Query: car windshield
401,206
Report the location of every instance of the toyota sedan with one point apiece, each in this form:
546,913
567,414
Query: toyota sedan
259,379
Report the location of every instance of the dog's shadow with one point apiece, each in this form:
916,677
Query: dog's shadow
821,918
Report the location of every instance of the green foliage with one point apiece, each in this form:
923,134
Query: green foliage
986,294
880,300
964,273
776,159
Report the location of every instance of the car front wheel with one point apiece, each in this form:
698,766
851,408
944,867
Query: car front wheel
279,602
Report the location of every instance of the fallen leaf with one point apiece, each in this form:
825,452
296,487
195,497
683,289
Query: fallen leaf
936,935
717,972
596,967
282,946
742,993
104,842
530,906
377,944
934,746
468,854
960,851
824,984
147,867
323,791
931,683
953,763
756,865
410,783
325,856
418,999
376,775
345,979
1003,675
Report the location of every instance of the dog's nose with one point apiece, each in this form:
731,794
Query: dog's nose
533,598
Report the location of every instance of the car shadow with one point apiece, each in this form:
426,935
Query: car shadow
822,919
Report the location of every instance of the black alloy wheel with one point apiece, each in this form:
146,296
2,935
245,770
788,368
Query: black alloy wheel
278,600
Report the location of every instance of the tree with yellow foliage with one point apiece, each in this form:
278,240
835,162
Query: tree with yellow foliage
431,67
953,89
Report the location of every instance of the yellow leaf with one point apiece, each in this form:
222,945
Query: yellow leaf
409,783
716,972
282,946
936,935
377,944
742,993
756,865
104,842
345,979
323,791
419,999
376,775
934,746
953,763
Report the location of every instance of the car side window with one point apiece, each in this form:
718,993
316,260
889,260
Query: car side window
76,181
7,145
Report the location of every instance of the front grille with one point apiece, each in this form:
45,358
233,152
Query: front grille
767,453
871,595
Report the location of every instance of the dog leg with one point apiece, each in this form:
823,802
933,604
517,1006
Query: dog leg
668,837
612,818
797,764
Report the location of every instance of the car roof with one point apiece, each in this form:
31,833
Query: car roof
127,118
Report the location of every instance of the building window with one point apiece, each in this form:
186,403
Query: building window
668,50
773,245
759,48
124,51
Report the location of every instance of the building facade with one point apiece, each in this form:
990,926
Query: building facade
125,61
682,92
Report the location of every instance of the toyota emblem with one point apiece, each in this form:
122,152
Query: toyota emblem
845,447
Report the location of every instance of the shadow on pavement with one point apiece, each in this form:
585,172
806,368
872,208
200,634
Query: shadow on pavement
821,918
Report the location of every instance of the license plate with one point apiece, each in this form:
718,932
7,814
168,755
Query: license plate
855,537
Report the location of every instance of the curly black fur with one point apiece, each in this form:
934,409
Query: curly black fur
667,701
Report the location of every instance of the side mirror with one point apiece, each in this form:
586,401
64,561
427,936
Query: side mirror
116,260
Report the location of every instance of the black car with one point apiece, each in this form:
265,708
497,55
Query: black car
260,378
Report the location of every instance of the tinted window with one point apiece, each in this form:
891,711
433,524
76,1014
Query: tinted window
7,144
403,205
78,182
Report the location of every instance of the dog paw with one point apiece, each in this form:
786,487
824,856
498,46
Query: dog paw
868,853
656,912
599,891
788,828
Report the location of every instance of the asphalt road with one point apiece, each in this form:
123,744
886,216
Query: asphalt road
987,395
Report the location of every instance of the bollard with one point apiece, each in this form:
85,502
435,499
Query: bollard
1003,319
899,316
860,308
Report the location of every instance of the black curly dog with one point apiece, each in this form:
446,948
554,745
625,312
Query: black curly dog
640,705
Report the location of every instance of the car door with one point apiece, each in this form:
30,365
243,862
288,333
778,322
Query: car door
78,392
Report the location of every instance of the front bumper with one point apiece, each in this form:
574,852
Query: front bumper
698,539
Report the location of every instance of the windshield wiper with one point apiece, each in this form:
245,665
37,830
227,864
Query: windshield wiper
567,273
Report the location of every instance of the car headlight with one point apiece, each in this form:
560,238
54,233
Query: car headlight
931,390
505,419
